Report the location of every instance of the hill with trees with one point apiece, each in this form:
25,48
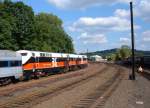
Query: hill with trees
20,29
118,53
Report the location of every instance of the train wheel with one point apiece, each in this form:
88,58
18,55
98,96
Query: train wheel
27,77
65,70
14,80
37,75
5,81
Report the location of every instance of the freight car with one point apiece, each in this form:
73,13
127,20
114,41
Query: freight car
36,63
10,66
143,61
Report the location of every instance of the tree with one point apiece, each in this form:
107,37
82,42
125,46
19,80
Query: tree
118,56
111,57
49,30
122,53
24,31
6,40
125,52
21,29
20,18
7,24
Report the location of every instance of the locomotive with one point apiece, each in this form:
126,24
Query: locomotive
34,64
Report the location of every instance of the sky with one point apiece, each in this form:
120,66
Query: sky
99,24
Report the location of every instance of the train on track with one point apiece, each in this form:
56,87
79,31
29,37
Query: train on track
143,61
25,64
10,66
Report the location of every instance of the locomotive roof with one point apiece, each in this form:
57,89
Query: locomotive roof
56,54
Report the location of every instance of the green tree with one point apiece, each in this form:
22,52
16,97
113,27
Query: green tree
118,56
111,57
7,24
24,30
125,52
6,40
21,29
20,18
50,31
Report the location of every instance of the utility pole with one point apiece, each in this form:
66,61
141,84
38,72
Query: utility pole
132,77
87,52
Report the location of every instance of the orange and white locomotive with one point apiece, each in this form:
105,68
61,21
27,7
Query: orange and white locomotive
36,63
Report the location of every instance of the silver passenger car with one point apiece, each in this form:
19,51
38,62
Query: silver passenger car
10,65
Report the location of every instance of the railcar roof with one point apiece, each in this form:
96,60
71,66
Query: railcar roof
9,55
57,54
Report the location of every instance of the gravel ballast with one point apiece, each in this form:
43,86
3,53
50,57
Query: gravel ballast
130,94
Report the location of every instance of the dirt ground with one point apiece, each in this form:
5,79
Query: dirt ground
77,89
72,97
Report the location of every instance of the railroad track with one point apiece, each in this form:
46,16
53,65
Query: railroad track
145,74
24,100
99,96
95,98
10,91
6,91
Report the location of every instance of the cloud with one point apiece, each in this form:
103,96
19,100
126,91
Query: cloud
143,9
60,3
125,41
93,38
99,27
80,4
146,36
141,6
122,13
101,24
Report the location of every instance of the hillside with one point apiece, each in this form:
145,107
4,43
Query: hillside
105,53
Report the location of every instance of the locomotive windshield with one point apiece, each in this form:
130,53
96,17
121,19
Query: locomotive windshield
24,54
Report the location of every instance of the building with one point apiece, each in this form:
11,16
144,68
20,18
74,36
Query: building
97,58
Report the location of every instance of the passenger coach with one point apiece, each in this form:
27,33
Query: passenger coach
10,66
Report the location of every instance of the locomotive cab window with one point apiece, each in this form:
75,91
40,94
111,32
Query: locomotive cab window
33,54
24,54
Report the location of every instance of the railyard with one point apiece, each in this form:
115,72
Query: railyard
65,54
97,86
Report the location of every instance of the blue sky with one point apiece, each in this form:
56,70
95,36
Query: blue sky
99,24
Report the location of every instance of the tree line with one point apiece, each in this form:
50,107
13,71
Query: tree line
20,28
123,53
